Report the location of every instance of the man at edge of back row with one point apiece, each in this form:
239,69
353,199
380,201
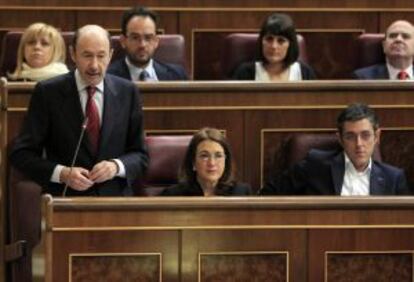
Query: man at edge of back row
348,172
398,48
112,153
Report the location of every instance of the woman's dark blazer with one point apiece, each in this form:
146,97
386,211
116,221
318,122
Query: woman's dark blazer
184,189
247,71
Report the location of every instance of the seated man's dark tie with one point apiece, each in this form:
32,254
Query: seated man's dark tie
144,76
93,127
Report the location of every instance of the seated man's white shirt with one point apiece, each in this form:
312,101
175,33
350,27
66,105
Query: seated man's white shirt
136,72
355,183
393,72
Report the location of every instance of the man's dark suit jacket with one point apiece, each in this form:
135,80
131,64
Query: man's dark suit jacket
378,71
322,173
163,71
53,125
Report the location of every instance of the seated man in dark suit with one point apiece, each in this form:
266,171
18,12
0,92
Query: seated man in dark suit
398,47
106,108
139,40
350,171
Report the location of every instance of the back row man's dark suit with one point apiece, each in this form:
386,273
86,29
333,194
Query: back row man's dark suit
53,124
378,71
322,173
163,71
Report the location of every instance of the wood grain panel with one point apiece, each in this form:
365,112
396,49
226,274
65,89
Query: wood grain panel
386,18
111,19
243,266
113,247
343,267
113,267
322,243
14,124
289,249
16,18
305,230
3,176
380,4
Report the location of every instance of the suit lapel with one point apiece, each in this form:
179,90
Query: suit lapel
376,181
161,71
110,110
338,171
125,73
383,72
71,104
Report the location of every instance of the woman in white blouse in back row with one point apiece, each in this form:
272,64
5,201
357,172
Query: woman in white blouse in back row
278,53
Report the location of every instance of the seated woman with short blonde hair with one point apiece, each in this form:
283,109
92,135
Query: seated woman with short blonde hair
41,54
208,168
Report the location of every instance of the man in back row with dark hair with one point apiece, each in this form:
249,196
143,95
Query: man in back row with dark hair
140,41
348,172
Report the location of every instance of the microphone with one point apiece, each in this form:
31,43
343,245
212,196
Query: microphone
75,155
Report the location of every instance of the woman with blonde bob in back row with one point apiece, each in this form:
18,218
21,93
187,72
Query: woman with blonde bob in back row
41,54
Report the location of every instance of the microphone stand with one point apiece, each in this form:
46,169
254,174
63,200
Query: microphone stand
84,125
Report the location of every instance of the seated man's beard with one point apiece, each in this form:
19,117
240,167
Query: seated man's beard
139,62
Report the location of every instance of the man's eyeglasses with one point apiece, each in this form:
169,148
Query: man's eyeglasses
216,156
147,38
352,137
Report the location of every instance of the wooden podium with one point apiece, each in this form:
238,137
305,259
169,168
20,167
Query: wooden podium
229,239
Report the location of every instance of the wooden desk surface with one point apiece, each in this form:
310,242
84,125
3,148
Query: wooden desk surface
199,239
236,94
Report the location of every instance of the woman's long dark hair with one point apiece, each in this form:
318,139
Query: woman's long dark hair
279,25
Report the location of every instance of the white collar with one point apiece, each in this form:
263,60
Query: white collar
350,166
393,72
81,85
136,71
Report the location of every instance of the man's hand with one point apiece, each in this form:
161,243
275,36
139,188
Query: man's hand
76,178
103,171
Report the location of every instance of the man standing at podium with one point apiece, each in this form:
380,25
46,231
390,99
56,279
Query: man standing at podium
83,132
